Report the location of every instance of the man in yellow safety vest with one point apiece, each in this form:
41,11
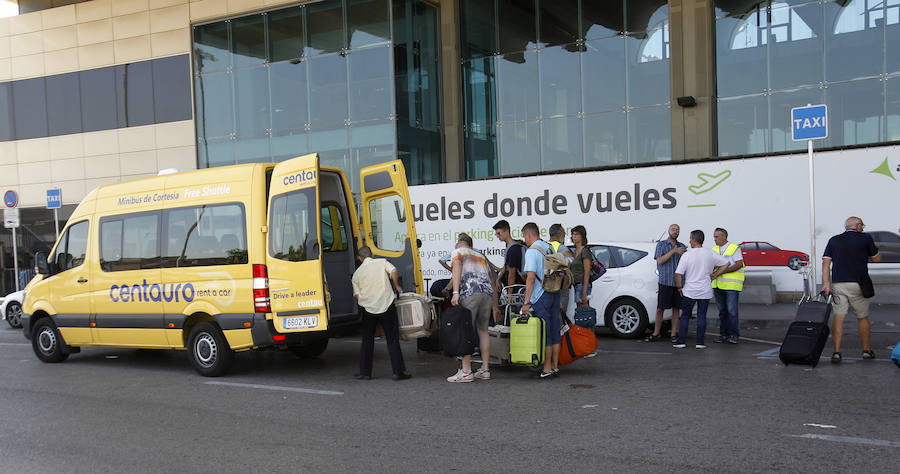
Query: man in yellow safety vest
727,287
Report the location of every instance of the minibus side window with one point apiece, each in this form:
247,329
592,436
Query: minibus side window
72,247
334,239
388,223
205,235
293,232
129,242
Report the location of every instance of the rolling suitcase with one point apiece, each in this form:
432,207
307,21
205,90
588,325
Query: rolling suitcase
456,332
416,315
807,335
526,340
432,343
499,334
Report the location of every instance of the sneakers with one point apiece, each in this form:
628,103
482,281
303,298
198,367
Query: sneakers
653,338
483,374
461,376
555,372
679,345
732,340
720,339
546,375
700,346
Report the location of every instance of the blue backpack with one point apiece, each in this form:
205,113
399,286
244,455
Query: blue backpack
895,356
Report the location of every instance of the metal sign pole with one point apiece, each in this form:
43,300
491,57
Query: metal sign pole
812,221
15,259
56,221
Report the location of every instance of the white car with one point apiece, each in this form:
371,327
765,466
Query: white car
11,308
625,296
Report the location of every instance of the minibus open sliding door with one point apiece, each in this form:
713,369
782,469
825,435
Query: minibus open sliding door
294,247
388,221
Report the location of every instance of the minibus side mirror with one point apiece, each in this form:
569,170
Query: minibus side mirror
40,263
419,243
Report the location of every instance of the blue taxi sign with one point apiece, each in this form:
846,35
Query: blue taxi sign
809,123
54,199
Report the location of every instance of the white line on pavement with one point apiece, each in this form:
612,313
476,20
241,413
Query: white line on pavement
635,352
817,425
275,387
14,344
850,439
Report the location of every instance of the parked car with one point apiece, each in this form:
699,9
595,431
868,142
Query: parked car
625,296
888,244
11,308
764,254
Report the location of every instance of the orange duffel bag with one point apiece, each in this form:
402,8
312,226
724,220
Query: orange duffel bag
577,342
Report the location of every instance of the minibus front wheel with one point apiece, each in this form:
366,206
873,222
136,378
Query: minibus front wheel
47,342
209,351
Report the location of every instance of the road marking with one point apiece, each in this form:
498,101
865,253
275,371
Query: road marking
14,344
762,341
816,425
589,406
635,352
768,353
275,387
850,439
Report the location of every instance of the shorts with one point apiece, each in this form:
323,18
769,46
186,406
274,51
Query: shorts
668,297
849,295
547,308
578,287
481,306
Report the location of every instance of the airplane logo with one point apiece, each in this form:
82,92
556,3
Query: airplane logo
708,182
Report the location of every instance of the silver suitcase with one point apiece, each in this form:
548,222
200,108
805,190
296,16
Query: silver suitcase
499,334
416,315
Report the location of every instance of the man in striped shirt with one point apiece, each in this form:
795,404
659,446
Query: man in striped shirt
668,253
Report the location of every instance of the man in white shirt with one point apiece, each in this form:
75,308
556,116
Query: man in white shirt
375,295
694,275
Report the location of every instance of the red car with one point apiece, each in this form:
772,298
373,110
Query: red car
764,254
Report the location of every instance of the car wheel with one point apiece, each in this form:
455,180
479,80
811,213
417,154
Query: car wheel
311,350
209,350
627,318
794,262
14,314
47,342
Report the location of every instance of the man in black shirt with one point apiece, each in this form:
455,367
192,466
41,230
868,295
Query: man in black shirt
850,252
512,263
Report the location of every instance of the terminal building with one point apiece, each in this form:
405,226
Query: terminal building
101,91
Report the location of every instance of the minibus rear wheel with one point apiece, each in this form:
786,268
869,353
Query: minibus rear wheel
209,350
47,342
310,350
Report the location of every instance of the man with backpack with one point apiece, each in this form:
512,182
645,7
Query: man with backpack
539,300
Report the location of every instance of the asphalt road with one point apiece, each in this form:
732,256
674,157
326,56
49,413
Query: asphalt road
634,407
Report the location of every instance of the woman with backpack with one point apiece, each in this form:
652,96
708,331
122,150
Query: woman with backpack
581,266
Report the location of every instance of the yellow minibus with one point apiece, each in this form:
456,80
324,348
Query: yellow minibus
219,260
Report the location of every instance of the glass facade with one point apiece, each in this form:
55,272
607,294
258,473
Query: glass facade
353,80
127,95
772,56
563,84
36,233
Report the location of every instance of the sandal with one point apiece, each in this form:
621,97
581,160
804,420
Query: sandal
836,358
868,354
652,338
675,339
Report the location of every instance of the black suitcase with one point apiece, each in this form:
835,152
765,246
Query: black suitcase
456,331
807,335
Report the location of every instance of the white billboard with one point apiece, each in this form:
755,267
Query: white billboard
755,199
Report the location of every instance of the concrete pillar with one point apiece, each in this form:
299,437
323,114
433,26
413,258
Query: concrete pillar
692,39
451,93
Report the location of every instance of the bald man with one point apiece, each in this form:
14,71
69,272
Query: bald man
850,252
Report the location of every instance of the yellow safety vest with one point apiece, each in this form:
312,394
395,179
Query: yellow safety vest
733,280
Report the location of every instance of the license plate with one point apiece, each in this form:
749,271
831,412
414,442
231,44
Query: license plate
301,322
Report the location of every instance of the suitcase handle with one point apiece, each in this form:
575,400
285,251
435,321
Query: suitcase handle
819,297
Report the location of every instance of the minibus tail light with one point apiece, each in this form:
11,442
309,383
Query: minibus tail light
261,289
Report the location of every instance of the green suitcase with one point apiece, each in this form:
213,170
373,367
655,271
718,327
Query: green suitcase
526,340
